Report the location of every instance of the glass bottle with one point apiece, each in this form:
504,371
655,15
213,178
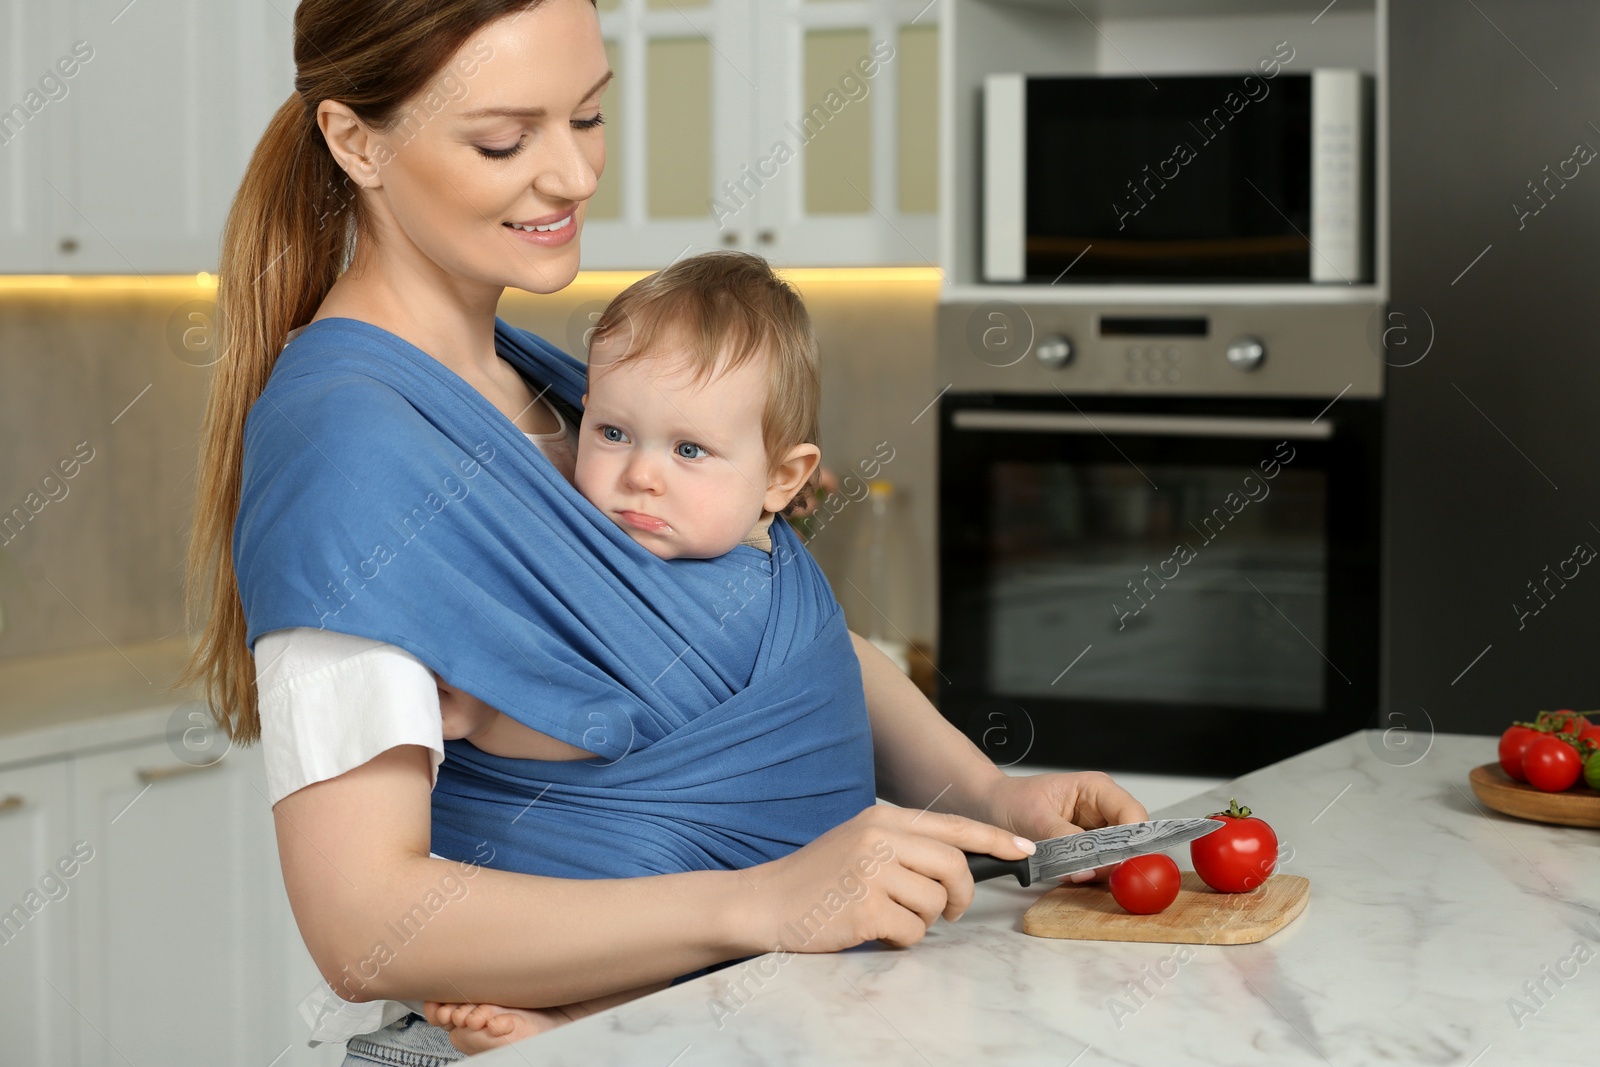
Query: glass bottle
880,576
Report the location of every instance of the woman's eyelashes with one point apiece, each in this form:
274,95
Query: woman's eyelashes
500,153
507,153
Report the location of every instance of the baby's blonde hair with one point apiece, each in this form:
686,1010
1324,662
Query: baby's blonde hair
726,308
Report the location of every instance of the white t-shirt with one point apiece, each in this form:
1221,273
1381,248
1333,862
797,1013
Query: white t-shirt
330,702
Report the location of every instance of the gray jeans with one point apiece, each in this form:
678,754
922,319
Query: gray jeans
408,1042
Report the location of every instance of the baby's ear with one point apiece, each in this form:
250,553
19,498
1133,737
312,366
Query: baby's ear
790,474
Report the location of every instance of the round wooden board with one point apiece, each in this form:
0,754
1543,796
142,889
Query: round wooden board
1200,915
1578,806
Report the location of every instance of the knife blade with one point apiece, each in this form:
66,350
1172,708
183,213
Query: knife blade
1085,851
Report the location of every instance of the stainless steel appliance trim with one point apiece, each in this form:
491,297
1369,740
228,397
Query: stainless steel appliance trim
1005,214
1158,425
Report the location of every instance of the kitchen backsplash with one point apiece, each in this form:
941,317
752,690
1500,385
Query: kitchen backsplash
101,400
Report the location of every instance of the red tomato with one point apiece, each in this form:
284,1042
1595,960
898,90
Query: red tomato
1145,885
1591,733
1238,857
1549,763
1512,744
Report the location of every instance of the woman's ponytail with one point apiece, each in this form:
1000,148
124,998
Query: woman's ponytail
284,243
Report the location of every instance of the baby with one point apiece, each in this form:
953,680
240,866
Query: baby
699,426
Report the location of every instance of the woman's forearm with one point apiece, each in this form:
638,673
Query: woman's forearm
922,761
558,941
383,920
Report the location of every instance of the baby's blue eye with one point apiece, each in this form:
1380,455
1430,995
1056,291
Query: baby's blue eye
690,450
612,434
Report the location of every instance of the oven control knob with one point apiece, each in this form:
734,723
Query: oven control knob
1054,351
1246,353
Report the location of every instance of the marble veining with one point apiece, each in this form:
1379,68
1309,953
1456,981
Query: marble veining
1437,933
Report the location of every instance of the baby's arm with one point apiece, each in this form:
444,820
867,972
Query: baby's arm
468,718
505,736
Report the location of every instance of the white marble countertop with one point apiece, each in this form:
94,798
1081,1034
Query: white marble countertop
1437,933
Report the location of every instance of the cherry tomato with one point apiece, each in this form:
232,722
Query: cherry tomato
1238,857
1512,744
1590,733
1145,885
1550,764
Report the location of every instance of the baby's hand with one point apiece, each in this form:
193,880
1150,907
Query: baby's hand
481,1027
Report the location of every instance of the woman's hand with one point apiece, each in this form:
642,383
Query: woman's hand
887,875
1037,806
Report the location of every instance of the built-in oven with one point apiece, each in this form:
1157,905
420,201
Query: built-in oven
1158,533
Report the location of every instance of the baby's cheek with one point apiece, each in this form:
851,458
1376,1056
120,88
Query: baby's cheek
583,475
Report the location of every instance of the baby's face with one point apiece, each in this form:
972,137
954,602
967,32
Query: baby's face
681,466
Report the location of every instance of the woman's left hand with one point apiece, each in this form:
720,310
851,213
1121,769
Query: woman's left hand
1038,806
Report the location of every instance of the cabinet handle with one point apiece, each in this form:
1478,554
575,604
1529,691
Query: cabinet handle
10,803
69,244
177,770
730,238
766,237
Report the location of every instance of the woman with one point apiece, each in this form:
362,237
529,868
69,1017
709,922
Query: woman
455,143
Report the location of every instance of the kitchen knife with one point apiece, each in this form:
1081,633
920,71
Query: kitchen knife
1085,851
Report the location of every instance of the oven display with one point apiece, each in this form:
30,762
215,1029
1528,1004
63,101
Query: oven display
1179,584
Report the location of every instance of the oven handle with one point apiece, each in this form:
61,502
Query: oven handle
1147,425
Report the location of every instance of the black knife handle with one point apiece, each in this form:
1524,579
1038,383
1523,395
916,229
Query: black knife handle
984,867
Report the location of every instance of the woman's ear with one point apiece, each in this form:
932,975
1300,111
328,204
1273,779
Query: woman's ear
790,473
356,149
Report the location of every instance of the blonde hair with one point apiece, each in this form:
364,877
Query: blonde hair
291,230
726,308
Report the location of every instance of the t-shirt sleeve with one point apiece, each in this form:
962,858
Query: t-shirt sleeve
330,702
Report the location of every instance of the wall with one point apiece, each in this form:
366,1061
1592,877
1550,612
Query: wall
100,363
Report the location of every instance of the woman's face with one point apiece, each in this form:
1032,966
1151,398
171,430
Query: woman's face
506,138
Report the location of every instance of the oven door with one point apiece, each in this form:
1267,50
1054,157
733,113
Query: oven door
1179,584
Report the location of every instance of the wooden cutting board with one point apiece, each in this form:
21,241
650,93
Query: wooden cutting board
1200,915
1578,806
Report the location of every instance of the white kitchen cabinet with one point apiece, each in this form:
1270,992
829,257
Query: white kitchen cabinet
744,125
851,87
183,954
26,112
677,116
129,164
36,910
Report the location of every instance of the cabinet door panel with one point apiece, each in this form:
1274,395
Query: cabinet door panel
840,80
154,139
30,100
36,910
173,960
678,123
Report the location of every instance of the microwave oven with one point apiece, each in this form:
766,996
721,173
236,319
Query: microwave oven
1181,179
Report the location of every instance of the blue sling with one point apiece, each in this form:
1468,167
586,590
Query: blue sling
385,497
